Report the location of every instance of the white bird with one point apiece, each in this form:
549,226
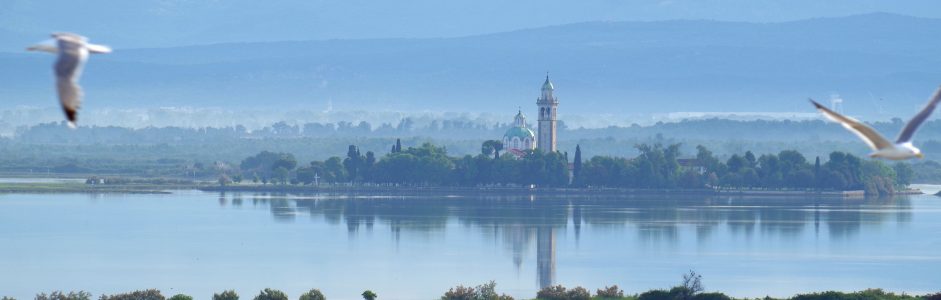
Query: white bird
72,50
882,148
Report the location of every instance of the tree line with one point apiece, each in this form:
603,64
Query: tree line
656,167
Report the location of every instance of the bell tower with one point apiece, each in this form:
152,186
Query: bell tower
548,103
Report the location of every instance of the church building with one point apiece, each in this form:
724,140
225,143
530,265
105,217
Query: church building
520,138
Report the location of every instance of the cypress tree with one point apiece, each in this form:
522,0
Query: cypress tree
577,164
398,145
817,173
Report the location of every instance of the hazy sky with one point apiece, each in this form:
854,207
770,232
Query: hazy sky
147,23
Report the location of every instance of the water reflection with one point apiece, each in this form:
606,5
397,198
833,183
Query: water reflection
521,223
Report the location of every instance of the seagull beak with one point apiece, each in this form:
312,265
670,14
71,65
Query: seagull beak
920,155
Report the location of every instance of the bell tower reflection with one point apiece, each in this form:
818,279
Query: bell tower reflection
545,255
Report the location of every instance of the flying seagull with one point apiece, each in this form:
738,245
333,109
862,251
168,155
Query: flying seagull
902,148
72,50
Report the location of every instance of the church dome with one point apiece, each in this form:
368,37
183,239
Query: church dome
520,132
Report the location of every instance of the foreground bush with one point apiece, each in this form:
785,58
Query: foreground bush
151,294
655,295
181,297
485,291
226,295
271,294
870,294
369,295
577,293
58,295
555,292
610,292
711,296
313,294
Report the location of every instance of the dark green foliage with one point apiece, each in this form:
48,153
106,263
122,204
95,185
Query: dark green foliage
711,296
870,294
151,294
226,295
57,295
313,294
265,163
369,295
7,298
180,297
656,295
610,292
577,164
271,294
577,293
460,293
935,296
486,291
555,292
656,167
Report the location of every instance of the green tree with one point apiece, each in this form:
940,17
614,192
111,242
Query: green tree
58,295
226,295
181,297
489,147
282,174
903,174
577,164
313,294
151,294
369,295
271,294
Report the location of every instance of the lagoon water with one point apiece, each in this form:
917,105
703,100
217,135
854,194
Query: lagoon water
416,247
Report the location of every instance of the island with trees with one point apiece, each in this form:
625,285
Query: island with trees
657,167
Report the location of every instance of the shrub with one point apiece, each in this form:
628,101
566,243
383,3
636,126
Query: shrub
578,293
486,291
460,293
271,294
151,294
555,292
313,294
711,296
58,295
369,295
870,294
7,298
692,285
226,295
181,297
655,295
935,296
610,292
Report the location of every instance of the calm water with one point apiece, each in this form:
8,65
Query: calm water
416,247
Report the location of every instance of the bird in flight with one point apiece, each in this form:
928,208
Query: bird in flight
72,51
902,148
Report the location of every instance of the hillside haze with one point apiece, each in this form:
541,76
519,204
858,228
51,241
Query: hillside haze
883,65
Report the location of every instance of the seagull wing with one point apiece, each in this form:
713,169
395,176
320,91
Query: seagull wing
866,133
68,68
908,132
98,49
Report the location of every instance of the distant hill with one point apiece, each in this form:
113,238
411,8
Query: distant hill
883,65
